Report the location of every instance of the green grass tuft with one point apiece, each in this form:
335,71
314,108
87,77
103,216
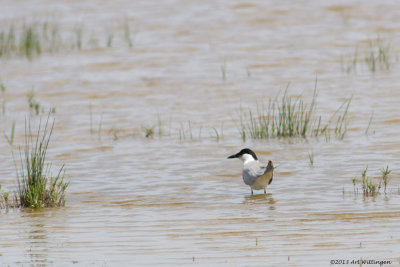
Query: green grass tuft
37,187
30,40
372,186
288,117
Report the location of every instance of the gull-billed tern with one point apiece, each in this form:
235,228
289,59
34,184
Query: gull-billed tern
255,174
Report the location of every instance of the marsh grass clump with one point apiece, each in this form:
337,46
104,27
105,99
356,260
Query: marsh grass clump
377,55
372,186
281,118
292,117
29,40
33,38
37,187
369,187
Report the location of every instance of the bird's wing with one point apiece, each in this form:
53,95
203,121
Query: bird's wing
252,171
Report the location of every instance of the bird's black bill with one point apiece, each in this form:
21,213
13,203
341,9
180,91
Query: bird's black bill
233,156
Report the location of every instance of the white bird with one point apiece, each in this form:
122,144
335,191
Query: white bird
255,174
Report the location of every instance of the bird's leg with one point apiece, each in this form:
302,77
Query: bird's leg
252,191
265,191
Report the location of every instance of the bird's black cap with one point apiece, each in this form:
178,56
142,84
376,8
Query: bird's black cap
244,151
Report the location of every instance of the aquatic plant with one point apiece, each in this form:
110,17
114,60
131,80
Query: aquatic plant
5,201
127,34
110,38
385,176
78,35
99,129
369,123
183,132
33,103
159,124
291,117
31,39
148,131
216,134
311,158
10,139
349,65
37,187
28,40
369,188
3,101
248,72
376,56
372,186
354,181
223,70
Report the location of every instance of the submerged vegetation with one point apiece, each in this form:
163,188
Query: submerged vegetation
292,117
372,186
32,39
377,55
37,187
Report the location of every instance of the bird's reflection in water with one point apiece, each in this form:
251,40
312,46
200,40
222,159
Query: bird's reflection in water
260,199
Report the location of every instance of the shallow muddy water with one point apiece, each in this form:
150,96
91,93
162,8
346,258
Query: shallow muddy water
174,199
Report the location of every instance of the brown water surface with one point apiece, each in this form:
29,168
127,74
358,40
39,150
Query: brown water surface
175,199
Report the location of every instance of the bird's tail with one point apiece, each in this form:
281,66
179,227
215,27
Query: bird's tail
270,166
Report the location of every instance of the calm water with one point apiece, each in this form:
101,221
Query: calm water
176,199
